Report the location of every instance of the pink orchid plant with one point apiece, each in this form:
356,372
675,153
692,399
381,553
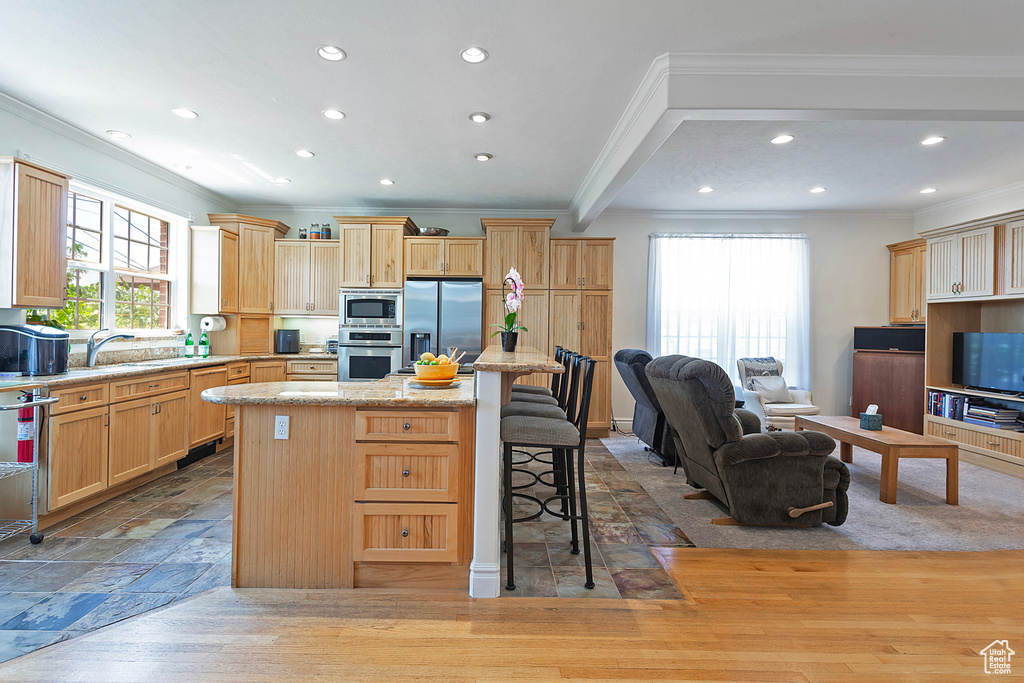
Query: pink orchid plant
513,302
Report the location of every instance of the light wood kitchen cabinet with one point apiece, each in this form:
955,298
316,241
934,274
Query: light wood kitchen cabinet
444,256
206,420
517,243
581,322
372,253
581,264
961,264
245,335
565,319
214,271
267,371
78,455
33,233
906,282
256,238
312,370
308,275
79,397
1013,258
145,434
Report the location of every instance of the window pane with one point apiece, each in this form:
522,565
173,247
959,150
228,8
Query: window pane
121,253
139,226
157,260
142,303
86,247
138,257
84,228
120,222
85,301
87,212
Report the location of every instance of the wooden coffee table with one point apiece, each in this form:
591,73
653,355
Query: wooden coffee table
893,444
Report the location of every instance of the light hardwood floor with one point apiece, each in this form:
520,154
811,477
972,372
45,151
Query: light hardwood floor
748,615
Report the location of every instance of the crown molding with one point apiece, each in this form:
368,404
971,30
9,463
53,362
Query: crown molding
644,214
71,132
1014,189
404,211
936,66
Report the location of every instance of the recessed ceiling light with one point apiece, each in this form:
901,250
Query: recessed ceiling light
281,181
928,190
483,156
933,140
333,114
782,139
479,117
706,189
331,53
185,113
304,153
387,181
473,55
118,134
181,167
817,190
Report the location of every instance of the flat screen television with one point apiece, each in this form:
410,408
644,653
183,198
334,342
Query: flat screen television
989,360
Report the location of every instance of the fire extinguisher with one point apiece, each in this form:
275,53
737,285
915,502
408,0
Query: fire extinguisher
26,432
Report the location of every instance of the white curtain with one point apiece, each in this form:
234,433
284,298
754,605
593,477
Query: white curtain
722,297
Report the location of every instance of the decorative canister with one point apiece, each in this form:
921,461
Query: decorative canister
325,231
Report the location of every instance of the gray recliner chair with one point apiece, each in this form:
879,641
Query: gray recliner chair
649,422
772,479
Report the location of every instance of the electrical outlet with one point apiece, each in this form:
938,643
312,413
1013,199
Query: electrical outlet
139,345
302,337
281,427
191,216
321,337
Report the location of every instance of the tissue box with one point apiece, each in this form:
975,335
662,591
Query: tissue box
872,422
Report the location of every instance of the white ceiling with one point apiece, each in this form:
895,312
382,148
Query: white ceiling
560,76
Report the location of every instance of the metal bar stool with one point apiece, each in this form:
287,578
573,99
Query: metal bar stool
563,436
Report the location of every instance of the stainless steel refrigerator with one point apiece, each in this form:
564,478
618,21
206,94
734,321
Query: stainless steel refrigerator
440,314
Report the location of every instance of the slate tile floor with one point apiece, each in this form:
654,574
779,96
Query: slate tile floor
625,523
165,541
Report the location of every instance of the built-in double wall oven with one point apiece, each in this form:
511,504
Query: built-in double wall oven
369,334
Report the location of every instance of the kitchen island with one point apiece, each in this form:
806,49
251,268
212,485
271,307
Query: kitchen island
354,484
372,484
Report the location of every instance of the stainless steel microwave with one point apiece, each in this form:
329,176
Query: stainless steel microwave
371,307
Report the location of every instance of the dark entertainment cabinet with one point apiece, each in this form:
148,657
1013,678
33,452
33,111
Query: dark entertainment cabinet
888,370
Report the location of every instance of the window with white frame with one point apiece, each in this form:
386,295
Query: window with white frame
721,297
121,265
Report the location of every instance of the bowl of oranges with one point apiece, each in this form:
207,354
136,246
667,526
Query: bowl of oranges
437,368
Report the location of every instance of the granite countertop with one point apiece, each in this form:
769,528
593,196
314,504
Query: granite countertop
124,370
523,359
392,391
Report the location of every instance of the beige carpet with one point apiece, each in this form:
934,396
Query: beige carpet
990,515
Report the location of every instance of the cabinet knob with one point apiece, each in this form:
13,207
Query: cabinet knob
312,367
992,443
405,532
83,397
405,426
405,473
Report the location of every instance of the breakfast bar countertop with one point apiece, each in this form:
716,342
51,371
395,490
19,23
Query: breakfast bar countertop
392,391
525,359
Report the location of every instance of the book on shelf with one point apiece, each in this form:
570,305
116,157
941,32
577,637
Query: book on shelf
1015,426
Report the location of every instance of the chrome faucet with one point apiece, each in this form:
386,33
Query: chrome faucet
92,348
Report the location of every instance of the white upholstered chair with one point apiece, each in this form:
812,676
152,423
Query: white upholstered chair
770,399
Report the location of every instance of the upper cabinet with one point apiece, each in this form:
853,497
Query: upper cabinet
906,282
961,263
581,264
1013,263
371,250
33,234
520,243
214,271
444,256
255,260
308,274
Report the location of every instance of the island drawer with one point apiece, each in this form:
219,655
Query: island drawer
407,425
236,370
407,472
405,532
79,397
126,390
313,367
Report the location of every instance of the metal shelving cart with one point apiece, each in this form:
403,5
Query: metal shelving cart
13,527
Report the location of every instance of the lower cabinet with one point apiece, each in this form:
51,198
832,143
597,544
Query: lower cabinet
78,455
146,434
312,371
406,532
267,371
206,421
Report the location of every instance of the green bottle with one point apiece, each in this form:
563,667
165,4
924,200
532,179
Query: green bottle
204,345
190,346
